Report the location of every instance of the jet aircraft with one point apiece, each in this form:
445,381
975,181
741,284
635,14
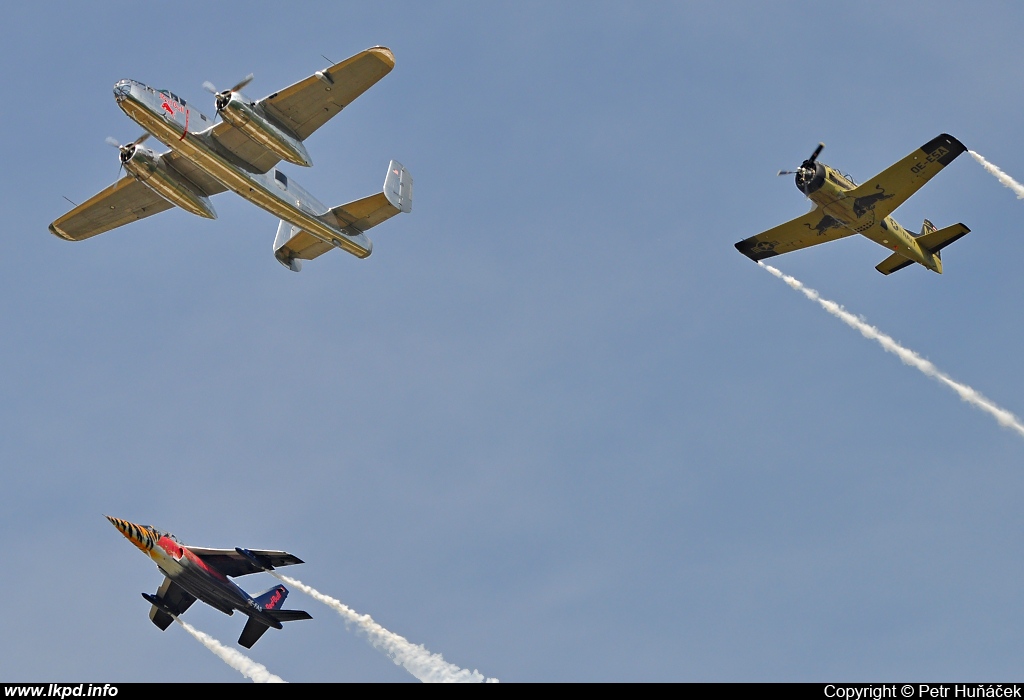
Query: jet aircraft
199,573
239,153
842,208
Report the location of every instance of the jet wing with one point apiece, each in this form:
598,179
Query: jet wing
307,105
173,597
894,185
125,201
230,562
810,229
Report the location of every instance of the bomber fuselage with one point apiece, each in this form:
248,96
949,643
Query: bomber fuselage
188,132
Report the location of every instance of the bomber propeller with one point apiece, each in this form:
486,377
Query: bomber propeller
127,150
224,96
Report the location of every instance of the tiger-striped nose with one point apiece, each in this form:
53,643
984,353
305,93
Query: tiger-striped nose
139,535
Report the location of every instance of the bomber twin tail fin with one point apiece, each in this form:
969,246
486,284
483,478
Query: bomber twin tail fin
363,214
292,244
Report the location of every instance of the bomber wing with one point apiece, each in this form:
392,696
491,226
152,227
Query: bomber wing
127,200
231,562
894,185
307,105
810,229
207,183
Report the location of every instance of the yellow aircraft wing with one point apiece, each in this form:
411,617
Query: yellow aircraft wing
308,104
125,201
812,228
128,200
894,185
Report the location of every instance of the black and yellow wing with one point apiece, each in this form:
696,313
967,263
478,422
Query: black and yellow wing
894,185
812,228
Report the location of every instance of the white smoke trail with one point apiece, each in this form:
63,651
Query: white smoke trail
233,658
908,357
415,658
1000,175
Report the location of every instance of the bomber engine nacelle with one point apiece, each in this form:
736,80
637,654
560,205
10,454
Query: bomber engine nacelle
248,118
150,169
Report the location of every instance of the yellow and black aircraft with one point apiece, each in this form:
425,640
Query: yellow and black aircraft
843,208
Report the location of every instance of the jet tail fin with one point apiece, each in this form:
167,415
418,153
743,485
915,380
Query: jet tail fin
270,601
274,598
252,632
290,615
254,629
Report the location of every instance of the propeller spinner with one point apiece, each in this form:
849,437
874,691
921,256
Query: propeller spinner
807,164
224,96
128,149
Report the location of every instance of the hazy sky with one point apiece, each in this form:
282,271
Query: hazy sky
556,428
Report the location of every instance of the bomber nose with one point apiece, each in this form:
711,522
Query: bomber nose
122,88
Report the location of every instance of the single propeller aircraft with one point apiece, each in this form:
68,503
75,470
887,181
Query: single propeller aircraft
199,573
842,208
239,153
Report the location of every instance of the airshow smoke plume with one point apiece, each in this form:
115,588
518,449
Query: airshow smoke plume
907,356
1008,181
235,659
415,658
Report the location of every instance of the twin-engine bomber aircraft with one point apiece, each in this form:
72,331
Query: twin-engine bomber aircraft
842,208
239,153
198,573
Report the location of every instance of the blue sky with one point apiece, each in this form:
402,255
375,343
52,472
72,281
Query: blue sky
556,428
